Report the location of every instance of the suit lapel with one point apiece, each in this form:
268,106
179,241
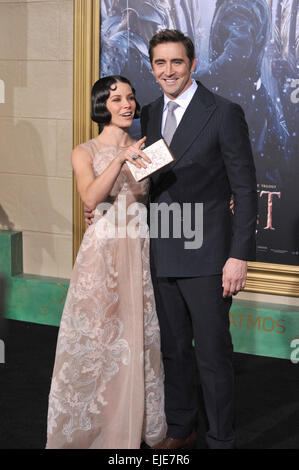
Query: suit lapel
155,123
195,118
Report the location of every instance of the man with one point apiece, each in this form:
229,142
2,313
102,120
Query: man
208,137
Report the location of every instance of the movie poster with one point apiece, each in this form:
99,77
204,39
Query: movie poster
248,52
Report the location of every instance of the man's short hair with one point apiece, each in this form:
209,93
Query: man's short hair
172,35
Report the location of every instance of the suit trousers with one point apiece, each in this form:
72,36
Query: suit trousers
194,309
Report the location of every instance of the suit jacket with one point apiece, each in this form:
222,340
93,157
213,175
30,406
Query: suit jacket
213,159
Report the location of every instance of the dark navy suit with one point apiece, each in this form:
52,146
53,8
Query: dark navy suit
213,160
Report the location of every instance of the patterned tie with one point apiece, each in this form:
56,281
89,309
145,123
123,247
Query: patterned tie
170,123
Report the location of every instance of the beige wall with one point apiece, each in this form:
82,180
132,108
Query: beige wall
36,66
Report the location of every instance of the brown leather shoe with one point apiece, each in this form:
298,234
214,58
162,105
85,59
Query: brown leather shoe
169,443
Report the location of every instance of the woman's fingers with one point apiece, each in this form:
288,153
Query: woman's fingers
133,151
138,146
144,156
140,142
136,161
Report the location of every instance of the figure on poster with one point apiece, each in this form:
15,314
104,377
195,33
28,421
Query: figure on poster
239,36
126,29
285,68
284,64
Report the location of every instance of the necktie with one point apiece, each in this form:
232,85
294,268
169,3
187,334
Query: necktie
170,123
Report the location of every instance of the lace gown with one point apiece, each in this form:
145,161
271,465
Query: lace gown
107,388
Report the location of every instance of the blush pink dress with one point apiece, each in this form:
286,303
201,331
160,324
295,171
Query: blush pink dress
107,389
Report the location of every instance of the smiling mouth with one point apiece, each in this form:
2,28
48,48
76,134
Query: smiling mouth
127,115
170,81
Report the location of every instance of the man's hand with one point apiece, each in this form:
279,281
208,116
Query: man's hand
89,215
232,204
234,276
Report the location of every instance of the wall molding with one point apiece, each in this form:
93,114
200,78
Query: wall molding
86,72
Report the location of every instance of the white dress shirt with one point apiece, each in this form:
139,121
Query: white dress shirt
183,101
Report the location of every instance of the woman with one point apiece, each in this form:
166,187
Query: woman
107,385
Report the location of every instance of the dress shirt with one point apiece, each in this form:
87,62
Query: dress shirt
183,102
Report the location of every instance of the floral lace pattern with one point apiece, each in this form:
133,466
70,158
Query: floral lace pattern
107,387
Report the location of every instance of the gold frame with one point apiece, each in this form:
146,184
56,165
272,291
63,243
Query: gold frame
86,72
264,278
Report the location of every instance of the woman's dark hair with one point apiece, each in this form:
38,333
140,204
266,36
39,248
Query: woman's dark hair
172,35
100,93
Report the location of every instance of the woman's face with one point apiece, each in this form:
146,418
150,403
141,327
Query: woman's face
121,104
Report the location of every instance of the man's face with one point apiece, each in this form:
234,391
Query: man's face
172,69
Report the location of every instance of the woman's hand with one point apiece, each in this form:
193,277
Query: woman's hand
135,149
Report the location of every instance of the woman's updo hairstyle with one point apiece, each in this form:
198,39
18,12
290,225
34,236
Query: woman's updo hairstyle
99,95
